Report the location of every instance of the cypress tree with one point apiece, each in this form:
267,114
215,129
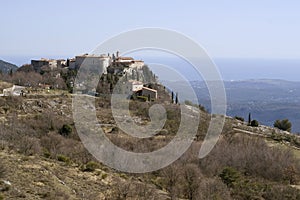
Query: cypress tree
133,74
249,119
137,76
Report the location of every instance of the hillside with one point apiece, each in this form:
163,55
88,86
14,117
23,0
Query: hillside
5,67
41,160
34,177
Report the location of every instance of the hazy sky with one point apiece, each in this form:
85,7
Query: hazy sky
251,29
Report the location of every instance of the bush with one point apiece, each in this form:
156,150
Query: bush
2,170
104,176
230,176
239,118
213,188
254,123
65,130
284,125
142,98
46,153
189,103
90,166
281,192
63,158
52,145
29,145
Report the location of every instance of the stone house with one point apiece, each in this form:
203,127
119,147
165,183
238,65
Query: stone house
48,63
134,86
148,92
15,90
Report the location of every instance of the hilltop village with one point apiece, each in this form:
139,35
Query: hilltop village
43,74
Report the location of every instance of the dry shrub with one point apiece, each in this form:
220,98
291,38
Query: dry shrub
212,188
191,181
2,169
145,192
251,156
121,190
29,146
56,194
183,179
279,192
191,155
45,122
171,179
80,154
129,189
11,102
18,136
136,144
52,143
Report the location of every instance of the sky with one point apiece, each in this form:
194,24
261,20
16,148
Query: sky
264,29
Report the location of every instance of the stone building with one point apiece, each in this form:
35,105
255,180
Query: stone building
48,63
133,86
146,92
93,61
15,90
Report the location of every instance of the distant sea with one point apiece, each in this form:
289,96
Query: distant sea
241,69
229,68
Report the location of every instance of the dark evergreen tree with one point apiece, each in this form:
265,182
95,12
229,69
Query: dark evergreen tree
154,78
137,76
111,88
254,123
109,78
249,119
133,75
10,72
176,99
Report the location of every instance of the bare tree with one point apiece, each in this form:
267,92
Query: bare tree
121,190
171,176
191,181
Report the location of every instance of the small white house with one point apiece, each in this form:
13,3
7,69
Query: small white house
15,90
133,86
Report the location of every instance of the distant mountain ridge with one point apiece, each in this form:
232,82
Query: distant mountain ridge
5,67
